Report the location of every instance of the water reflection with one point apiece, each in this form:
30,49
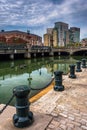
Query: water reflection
35,73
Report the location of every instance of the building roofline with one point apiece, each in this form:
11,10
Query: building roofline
17,31
61,22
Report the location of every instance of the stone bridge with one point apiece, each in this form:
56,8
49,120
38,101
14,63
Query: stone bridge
27,52
70,51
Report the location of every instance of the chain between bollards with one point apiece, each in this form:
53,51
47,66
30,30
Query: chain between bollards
7,104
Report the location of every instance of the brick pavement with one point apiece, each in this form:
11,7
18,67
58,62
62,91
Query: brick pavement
68,108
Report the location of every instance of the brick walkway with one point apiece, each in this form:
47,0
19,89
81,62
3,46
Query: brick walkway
68,108
69,119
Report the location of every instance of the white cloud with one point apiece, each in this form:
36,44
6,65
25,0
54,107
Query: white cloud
42,13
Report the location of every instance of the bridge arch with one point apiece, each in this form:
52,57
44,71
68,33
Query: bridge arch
59,53
80,52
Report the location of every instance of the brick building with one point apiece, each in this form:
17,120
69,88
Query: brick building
84,42
16,37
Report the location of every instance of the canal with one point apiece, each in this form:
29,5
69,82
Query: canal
35,73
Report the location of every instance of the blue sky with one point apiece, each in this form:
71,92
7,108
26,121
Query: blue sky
38,15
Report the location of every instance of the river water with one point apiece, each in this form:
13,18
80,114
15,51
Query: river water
35,73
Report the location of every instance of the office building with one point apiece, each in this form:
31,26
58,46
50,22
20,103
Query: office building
48,37
55,37
63,34
74,35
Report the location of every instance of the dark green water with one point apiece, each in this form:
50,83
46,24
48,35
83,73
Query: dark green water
35,73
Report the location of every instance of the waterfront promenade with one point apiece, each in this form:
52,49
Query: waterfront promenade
66,110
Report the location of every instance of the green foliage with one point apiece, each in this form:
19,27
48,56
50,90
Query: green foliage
77,44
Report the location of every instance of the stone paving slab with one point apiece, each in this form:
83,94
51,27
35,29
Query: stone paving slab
69,107
41,121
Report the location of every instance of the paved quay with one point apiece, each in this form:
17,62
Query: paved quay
66,110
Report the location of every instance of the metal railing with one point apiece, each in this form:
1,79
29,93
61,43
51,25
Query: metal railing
12,46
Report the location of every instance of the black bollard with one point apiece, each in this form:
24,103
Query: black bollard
58,81
83,63
72,71
78,69
23,116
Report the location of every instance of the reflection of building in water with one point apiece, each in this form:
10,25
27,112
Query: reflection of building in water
63,67
49,68
52,67
40,72
12,64
55,67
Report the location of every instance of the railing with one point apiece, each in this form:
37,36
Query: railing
6,48
12,47
40,47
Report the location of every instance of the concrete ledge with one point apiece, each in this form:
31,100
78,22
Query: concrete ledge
41,121
41,93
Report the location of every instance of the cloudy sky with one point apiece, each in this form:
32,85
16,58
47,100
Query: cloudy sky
38,15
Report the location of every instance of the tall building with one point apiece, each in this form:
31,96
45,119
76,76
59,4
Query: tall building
48,37
60,35
46,40
74,34
49,31
63,35
55,37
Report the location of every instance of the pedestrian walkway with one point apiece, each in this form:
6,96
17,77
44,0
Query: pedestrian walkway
69,107
66,110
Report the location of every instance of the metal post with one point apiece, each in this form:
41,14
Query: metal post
78,66
23,116
83,63
58,81
72,71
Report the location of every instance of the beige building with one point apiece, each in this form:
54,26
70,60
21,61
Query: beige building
48,37
48,40
55,38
